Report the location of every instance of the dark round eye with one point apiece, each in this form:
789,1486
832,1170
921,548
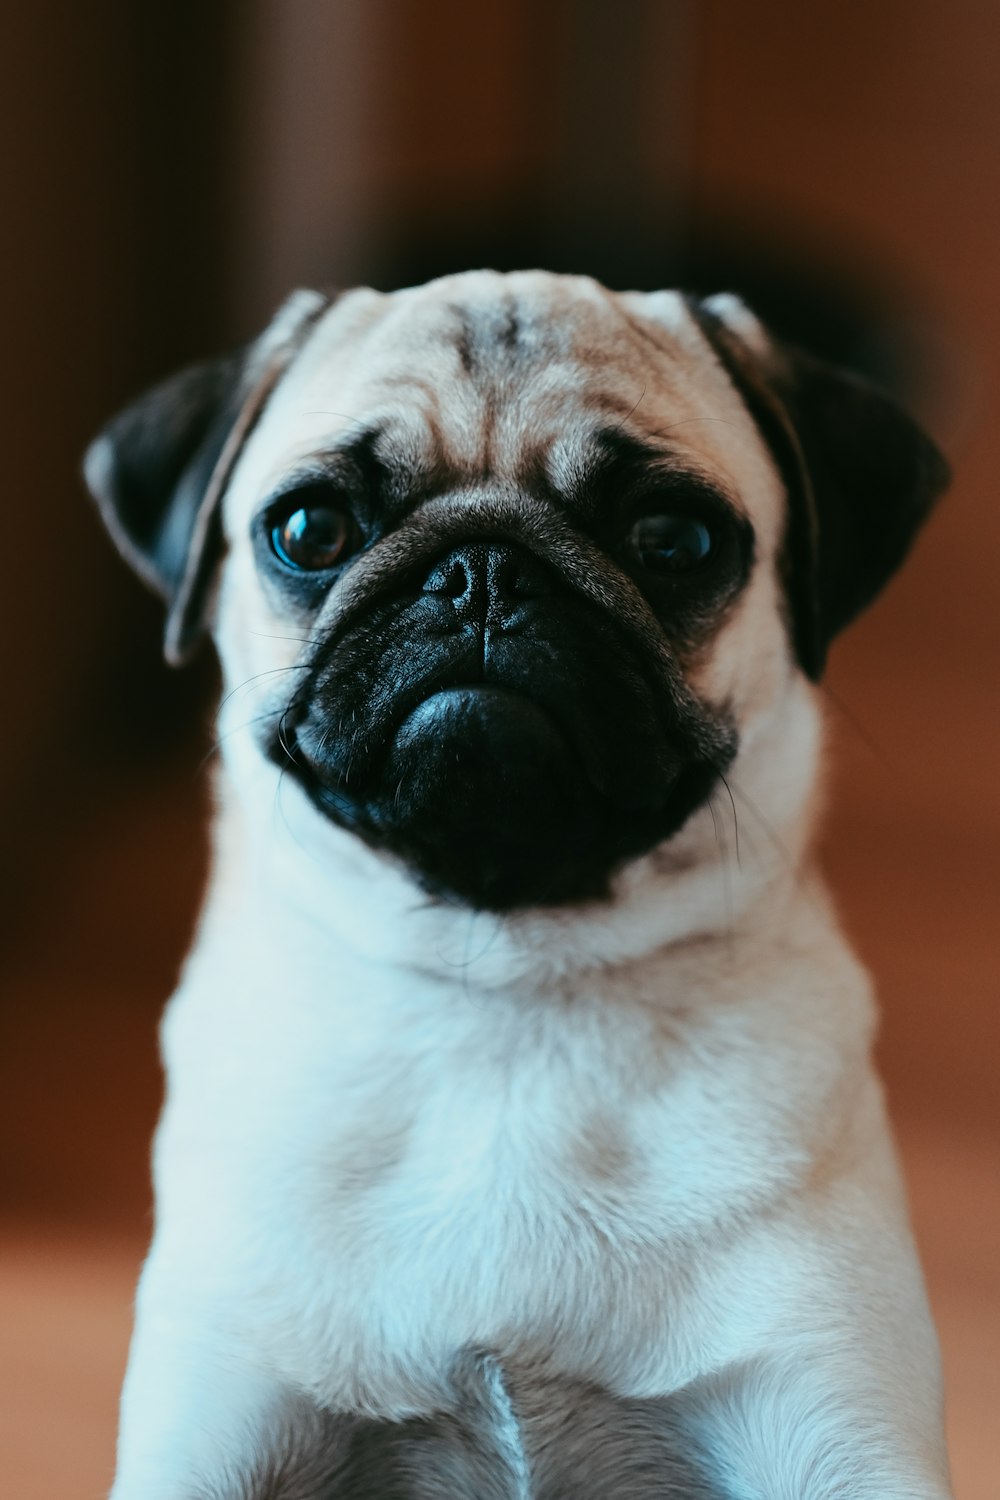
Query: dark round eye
312,538
673,543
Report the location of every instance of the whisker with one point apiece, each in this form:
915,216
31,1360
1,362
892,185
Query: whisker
736,821
686,422
300,640
468,957
271,672
282,741
727,891
276,808
222,739
632,411
321,411
767,828
324,737
850,718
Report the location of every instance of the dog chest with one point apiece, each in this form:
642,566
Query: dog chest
382,1195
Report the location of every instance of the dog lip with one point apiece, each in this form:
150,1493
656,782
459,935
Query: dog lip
552,844
515,726
453,696
518,726
482,691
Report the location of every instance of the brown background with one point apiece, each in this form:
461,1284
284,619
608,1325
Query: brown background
171,171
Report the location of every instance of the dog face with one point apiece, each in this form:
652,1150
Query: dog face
522,569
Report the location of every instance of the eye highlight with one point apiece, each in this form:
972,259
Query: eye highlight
674,543
312,538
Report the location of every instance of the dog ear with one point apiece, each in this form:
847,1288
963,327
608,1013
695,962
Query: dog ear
860,475
158,471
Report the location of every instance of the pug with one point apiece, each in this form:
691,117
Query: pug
521,1135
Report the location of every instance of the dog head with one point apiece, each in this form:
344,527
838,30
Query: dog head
514,571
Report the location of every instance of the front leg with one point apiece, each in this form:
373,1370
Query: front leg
201,1419
800,1427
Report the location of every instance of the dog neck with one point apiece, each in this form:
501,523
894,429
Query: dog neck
312,892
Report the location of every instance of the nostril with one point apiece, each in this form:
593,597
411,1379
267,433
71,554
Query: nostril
488,579
513,575
516,575
452,578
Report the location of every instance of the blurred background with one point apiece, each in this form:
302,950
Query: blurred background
172,170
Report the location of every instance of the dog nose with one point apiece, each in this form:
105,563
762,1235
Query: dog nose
487,581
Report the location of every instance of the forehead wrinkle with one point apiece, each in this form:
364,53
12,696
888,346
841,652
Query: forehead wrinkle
390,473
606,454
488,359
457,412
651,335
542,357
413,428
411,454
486,335
516,331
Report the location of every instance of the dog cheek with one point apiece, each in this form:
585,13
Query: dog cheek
258,648
749,663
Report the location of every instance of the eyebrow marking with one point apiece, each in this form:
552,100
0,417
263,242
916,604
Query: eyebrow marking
620,459
354,457
379,483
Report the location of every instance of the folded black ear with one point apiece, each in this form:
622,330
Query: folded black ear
861,475
872,479
159,469
149,471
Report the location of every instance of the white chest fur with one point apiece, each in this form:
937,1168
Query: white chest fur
386,1167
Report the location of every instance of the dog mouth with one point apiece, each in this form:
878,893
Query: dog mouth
488,798
492,733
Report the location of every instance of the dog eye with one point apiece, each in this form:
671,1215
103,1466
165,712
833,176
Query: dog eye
673,543
312,538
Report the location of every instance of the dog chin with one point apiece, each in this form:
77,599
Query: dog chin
484,796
